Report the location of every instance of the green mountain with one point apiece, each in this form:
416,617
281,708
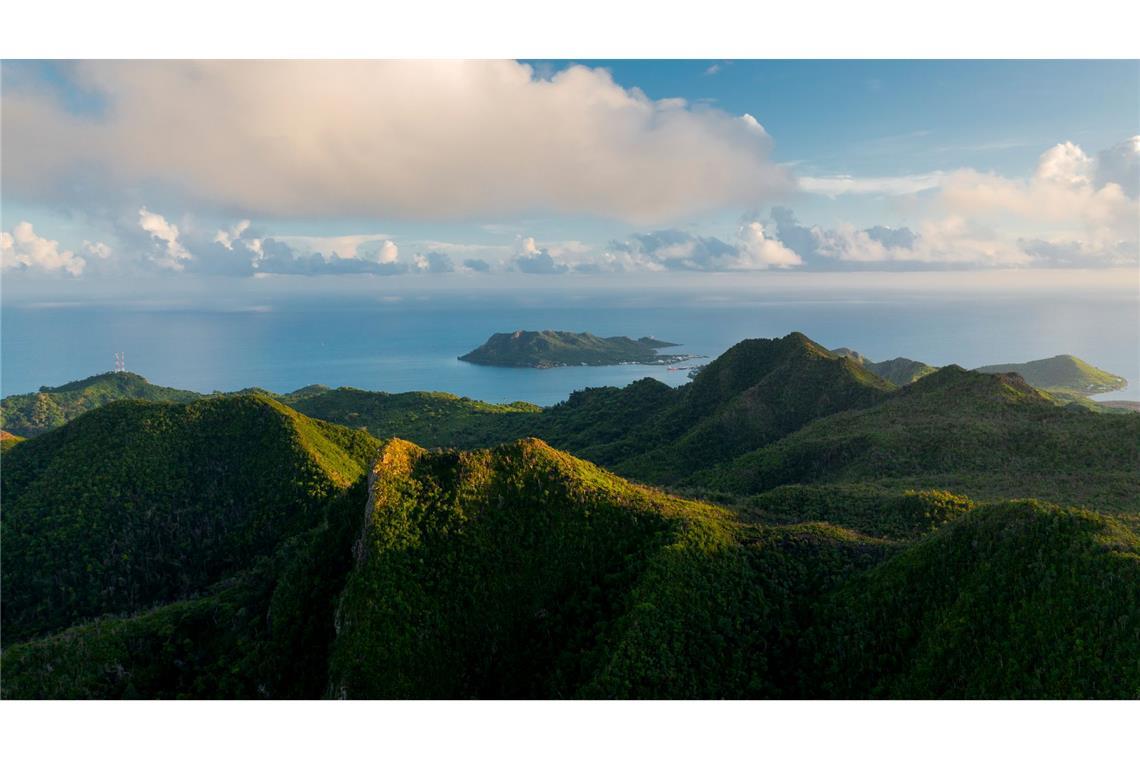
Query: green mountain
31,414
139,503
754,393
1063,376
553,348
987,436
898,371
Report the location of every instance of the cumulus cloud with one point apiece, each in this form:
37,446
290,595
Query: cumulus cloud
435,262
416,139
23,249
678,250
171,254
950,240
226,238
1069,191
476,265
757,250
530,259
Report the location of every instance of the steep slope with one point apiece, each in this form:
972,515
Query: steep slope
31,414
523,572
986,436
1016,600
1062,375
138,503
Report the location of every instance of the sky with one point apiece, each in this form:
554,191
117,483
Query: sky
335,175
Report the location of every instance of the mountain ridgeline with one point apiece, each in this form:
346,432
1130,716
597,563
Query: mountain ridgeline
825,534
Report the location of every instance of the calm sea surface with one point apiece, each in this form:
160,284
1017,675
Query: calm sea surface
402,347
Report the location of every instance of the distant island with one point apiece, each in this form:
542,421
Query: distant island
554,348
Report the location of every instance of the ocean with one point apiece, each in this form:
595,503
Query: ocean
412,345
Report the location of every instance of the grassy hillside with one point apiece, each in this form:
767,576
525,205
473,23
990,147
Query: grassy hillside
7,440
554,348
31,414
1016,600
986,436
139,503
429,419
1062,375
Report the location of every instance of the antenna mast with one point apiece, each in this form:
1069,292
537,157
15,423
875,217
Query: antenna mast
120,362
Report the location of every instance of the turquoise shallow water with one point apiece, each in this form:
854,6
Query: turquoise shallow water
399,347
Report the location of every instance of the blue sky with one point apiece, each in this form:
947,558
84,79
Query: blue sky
272,170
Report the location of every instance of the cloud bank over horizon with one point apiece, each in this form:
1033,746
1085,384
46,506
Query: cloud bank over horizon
472,169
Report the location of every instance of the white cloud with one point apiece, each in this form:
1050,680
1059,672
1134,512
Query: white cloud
1068,192
24,249
845,184
416,139
227,238
757,250
173,255
387,253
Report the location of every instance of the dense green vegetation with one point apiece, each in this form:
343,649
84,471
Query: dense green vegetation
839,537
31,414
523,572
1015,600
554,348
139,503
429,419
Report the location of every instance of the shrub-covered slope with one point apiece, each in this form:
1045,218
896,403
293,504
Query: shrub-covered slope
138,503
1015,600
31,414
987,436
